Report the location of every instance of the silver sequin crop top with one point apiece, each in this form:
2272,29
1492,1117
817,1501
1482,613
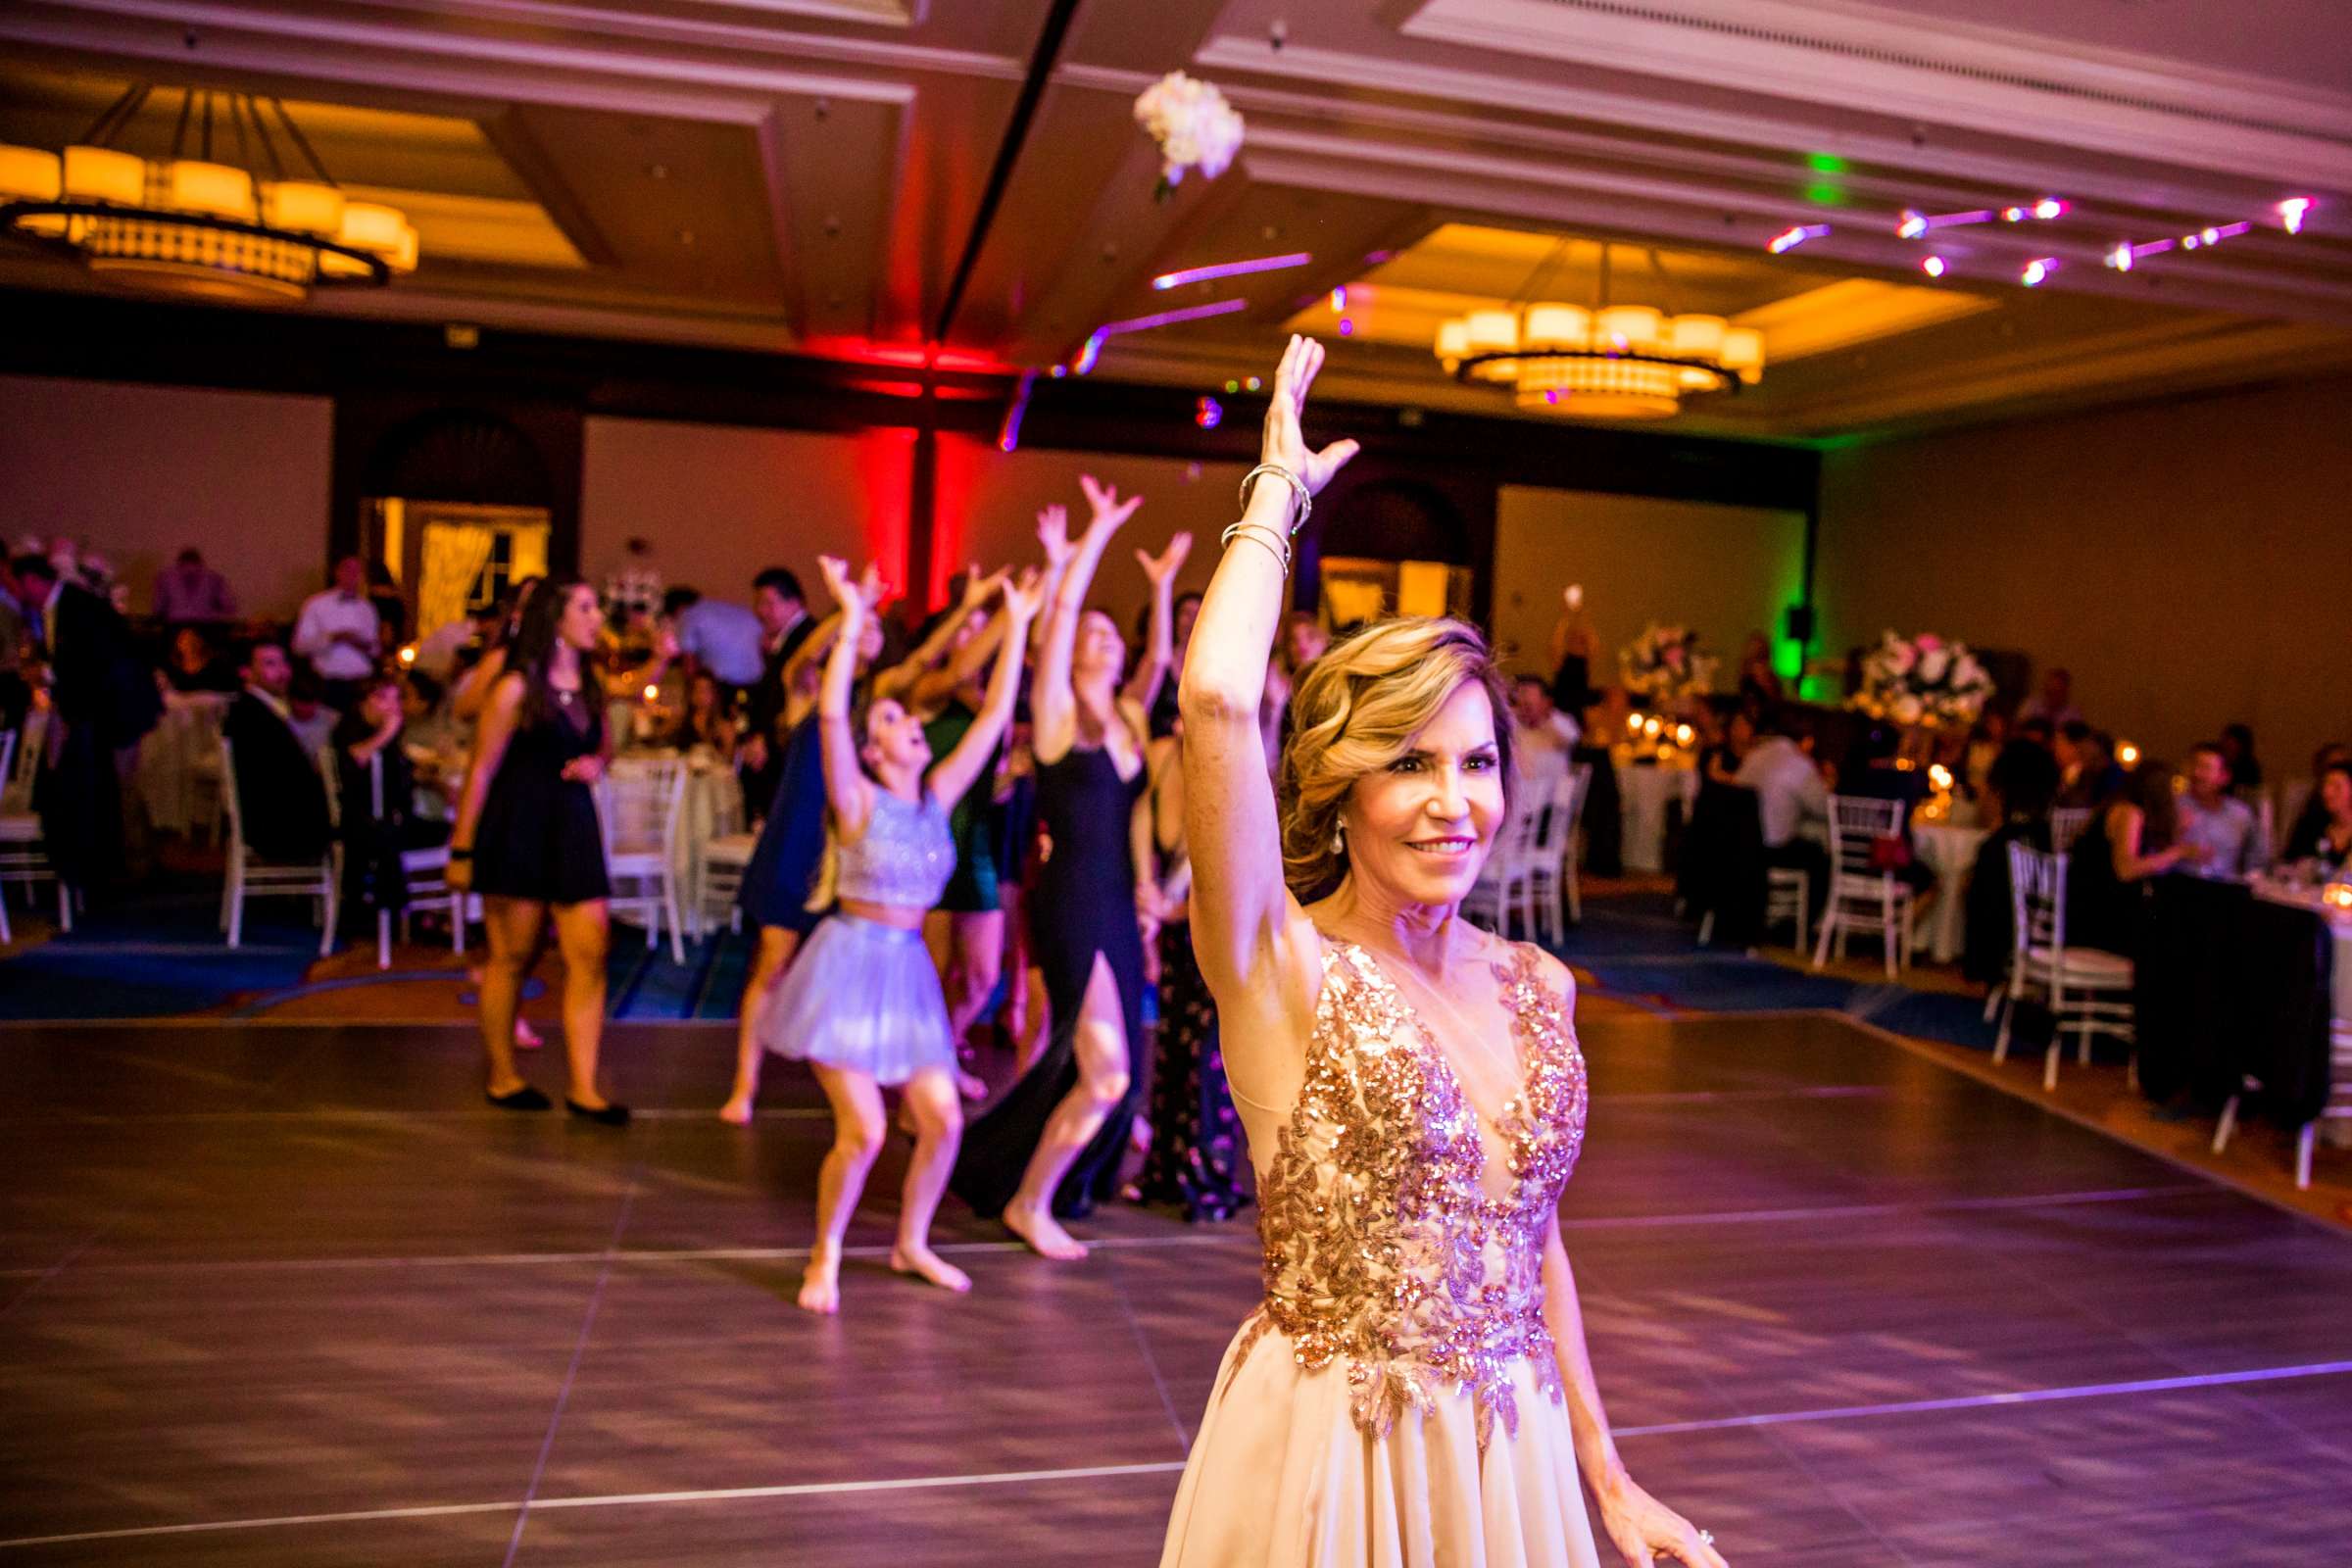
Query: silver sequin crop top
903,858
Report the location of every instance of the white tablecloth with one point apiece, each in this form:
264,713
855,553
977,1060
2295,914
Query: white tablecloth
1642,791
1951,851
179,761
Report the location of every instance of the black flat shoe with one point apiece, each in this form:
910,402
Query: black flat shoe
611,1114
525,1099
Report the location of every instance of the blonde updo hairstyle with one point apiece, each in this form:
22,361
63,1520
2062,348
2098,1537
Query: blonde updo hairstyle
1356,712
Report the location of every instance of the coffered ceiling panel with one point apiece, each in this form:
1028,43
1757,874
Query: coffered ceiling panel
843,176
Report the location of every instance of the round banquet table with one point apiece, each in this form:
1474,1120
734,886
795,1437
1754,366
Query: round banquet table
1949,850
1643,790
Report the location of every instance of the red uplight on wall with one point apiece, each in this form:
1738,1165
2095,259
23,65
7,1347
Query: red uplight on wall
886,474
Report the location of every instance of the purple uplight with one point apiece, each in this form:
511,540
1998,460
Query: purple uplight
1790,239
1008,434
1091,350
1202,275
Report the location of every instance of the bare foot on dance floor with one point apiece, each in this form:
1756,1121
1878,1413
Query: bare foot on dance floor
820,1286
738,1111
924,1263
1045,1234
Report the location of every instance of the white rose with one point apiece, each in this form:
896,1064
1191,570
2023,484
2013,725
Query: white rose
1934,665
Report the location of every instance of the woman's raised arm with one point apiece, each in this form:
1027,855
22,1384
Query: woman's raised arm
960,768
1052,704
1242,909
847,790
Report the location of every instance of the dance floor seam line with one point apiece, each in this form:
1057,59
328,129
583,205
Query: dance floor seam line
615,1499
1238,1235
1971,1402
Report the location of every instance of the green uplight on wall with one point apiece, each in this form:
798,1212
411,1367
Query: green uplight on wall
1826,193
1824,163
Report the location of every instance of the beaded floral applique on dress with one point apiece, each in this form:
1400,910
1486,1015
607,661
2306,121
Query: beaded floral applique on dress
1381,1246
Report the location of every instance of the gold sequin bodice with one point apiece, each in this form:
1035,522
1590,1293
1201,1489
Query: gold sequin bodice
1384,1248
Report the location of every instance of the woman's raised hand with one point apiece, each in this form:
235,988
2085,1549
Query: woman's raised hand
1024,595
1284,443
1053,533
979,589
1104,498
836,572
1164,565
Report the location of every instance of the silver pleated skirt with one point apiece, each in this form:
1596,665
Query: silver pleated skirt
863,997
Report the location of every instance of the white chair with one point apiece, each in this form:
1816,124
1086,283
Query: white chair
1551,854
1865,899
1504,888
719,880
23,856
250,876
424,873
2087,989
2068,823
637,808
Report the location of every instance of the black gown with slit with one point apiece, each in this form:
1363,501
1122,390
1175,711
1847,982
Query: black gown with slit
1083,904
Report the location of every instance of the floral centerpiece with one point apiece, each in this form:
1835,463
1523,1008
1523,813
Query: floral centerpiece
1663,666
1194,126
1922,680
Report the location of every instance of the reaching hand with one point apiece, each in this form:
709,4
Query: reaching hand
1054,532
1284,445
978,588
836,574
871,588
1164,565
1025,597
1108,509
1644,1531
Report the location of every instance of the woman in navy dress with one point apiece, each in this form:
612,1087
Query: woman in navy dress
1051,1148
528,841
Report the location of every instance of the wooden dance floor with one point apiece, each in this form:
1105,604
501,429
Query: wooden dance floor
295,1296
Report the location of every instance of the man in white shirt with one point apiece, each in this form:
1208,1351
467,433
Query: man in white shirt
337,633
1790,793
1547,737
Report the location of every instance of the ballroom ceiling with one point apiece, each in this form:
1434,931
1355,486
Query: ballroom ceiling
817,176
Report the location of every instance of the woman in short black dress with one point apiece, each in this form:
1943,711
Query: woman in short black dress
528,841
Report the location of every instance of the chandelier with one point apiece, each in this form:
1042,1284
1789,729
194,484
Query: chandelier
244,231
1621,362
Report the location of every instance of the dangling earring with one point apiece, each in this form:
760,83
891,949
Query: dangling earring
1339,840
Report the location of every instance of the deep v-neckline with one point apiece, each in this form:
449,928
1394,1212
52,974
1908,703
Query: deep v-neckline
1514,1108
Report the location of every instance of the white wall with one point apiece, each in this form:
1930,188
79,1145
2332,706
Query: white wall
143,471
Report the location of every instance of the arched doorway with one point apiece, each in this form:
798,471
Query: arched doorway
456,504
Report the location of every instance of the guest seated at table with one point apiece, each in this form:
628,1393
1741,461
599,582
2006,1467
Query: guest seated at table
308,712
2041,731
2217,828
2314,810
1876,769
1547,736
280,796
2324,835
2237,751
2054,705
709,720
190,592
2015,805
368,740
1759,682
1985,744
2132,838
1720,762
194,665
2087,769
1790,795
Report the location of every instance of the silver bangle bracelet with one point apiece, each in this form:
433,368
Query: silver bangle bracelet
1299,490
1258,534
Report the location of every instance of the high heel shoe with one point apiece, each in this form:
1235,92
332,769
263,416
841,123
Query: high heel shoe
609,1114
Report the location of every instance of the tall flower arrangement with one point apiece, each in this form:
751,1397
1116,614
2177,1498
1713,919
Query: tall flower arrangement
1194,126
1922,680
1664,664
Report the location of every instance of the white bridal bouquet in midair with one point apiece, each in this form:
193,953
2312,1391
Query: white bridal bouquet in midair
1922,680
1194,126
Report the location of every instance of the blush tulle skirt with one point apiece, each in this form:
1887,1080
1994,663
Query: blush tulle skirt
1281,1477
863,997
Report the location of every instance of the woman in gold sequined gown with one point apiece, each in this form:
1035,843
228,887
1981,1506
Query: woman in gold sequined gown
1413,1390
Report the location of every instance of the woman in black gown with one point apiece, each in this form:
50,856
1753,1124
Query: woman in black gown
528,841
1051,1148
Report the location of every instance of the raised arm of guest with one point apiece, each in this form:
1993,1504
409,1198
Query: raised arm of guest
919,680
1053,700
1159,638
951,777
847,790
1257,950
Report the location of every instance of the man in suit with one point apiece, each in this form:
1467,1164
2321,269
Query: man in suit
281,797
103,699
785,625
